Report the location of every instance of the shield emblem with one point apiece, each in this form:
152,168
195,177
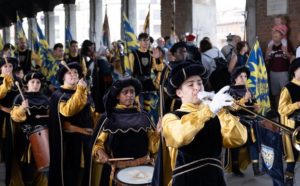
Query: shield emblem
267,155
145,61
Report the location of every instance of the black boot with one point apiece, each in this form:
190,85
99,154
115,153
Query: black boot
236,170
256,170
289,179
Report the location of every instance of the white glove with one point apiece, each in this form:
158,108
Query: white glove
220,100
206,95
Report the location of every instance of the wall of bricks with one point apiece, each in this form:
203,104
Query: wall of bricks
183,16
264,23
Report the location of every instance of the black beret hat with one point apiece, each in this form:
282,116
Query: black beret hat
177,45
237,71
62,70
182,72
33,75
110,98
294,66
11,60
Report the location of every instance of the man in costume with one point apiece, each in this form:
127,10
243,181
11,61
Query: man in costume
70,129
38,106
199,129
143,65
124,131
244,97
8,91
289,109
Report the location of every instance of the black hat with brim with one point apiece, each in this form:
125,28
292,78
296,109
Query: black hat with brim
182,72
62,70
237,71
33,75
110,98
294,66
11,60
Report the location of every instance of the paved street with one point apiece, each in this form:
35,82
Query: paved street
248,180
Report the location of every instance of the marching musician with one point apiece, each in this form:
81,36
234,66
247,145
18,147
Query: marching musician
38,104
289,109
243,96
8,91
199,129
70,129
124,131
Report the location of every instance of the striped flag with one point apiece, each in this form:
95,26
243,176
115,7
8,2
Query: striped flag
49,66
258,80
147,22
68,39
20,30
106,31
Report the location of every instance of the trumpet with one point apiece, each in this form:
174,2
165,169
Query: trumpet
295,133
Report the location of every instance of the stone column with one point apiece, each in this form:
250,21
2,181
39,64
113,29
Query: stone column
50,28
96,21
70,18
6,35
251,21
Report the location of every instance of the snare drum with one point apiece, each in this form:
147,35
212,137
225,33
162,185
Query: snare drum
39,140
138,175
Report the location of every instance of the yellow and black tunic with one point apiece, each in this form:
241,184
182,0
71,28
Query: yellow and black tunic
70,149
126,132
198,137
39,119
289,107
8,92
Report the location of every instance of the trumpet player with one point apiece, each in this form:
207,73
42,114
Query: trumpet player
199,129
243,96
289,109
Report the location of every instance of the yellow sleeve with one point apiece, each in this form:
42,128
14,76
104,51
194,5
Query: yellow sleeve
286,107
179,132
101,139
36,58
131,61
6,86
75,104
158,67
18,114
153,138
233,132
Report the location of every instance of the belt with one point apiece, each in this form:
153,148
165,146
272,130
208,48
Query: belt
5,109
68,127
197,165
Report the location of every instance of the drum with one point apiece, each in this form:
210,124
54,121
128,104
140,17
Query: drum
138,175
39,140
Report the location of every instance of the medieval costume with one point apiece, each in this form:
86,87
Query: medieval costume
8,91
124,131
289,109
26,125
70,129
198,130
238,92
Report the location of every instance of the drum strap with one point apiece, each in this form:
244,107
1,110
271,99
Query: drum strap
197,165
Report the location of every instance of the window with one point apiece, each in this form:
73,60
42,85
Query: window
156,14
156,29
56,19
142,14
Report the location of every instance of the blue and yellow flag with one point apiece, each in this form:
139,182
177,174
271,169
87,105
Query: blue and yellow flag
20,30
106,31
35,41
49,66
130,37
131,44
68,39
147,22
258,80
